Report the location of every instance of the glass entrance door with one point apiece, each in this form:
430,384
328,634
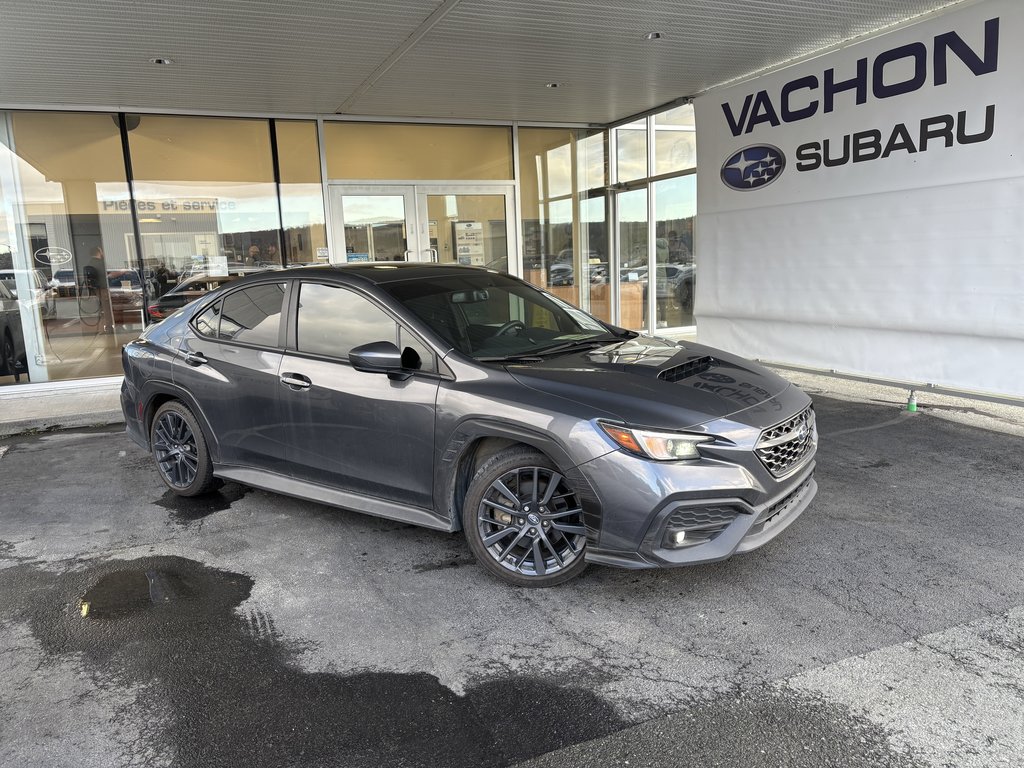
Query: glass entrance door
468,225
443,223
374,223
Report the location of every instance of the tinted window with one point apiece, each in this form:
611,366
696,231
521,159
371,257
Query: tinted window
206,323
416,355
333,320
253,315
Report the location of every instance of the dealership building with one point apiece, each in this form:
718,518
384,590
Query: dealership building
836,186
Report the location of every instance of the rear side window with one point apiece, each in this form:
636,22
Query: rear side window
252,315
208,320
333,320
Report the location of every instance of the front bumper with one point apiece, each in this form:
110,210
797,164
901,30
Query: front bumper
733,501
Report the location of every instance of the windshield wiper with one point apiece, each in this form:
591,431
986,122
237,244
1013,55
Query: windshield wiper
577,344
524,358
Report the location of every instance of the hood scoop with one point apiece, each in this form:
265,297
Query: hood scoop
688,369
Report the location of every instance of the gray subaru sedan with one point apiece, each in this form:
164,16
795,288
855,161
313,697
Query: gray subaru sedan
459,398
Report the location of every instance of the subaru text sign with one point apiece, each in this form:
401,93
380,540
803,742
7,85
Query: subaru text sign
753,167
920,105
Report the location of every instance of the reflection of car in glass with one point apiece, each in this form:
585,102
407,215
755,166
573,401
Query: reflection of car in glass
204,266
674,283
65,282
12,341
563,273
41,293
125,295
459,398
187,291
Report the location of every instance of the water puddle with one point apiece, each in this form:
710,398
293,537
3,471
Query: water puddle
221,672
124,593
185,511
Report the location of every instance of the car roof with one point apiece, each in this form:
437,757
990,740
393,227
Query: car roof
374,272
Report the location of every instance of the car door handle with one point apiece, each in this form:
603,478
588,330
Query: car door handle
195,358
296,381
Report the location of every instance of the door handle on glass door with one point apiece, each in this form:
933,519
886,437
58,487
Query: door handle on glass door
296,381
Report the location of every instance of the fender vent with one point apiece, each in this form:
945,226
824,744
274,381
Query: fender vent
687,369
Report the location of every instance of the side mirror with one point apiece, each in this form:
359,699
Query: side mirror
378,357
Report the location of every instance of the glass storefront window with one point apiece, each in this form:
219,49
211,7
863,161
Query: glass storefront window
675,205
206,196
302,196
71,293
675,143
396,151
564,251
633,259
631,153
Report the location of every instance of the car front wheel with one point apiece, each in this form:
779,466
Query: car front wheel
523,520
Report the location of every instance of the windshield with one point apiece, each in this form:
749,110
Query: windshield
490,316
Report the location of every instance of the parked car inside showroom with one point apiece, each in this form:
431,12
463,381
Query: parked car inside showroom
458,398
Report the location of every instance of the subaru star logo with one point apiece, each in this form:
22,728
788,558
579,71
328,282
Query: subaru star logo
753,167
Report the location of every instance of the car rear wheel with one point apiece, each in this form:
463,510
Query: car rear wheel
523,520
180,450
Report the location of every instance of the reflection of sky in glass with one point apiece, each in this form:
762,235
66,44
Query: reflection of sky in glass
560,212
632,153
372,209
242,207
675,198
559,171
302,203
591,170
334,320
682,115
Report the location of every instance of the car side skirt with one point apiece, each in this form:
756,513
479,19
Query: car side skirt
300,489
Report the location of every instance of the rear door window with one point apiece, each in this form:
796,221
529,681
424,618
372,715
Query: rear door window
253,315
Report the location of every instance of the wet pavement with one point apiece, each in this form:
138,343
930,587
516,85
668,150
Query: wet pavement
884,628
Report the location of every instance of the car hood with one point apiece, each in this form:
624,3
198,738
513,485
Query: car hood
654,382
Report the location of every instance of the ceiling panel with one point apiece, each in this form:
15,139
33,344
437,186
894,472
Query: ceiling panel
235,55
485,59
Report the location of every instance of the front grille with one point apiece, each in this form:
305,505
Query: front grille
701,517
687,369
786,445
701,524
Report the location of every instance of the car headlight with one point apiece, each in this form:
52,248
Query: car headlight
663,446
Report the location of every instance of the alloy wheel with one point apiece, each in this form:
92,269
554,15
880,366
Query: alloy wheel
530,522
175,448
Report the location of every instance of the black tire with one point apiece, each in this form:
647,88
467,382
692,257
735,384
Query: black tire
180,451
529,532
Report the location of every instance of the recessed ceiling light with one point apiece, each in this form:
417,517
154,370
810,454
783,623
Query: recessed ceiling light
160,60
551,85
652,36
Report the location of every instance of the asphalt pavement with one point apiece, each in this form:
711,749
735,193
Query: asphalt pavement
884,628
